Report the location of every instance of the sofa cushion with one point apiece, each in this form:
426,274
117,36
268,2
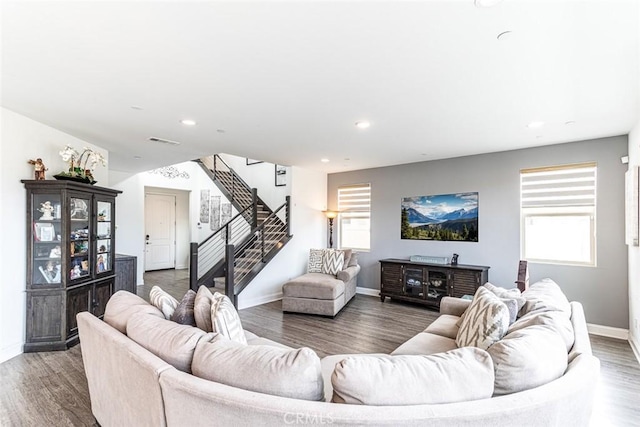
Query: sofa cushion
353,260
347,257
225,319
555,320
170,341
163,301
527,358
261,368
485,321
332,261
183,313
545,295
314,286
122,305
202,309
455,376
425,343
348,273
445,325
315,261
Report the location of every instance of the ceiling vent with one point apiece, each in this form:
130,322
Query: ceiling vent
163,141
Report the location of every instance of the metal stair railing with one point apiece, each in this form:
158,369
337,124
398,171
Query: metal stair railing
244,261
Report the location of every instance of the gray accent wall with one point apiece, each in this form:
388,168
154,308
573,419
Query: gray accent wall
496,177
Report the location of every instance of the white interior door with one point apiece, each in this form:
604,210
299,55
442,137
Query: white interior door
160,231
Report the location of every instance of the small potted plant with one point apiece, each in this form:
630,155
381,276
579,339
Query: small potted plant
81,166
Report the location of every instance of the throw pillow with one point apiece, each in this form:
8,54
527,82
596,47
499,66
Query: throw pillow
353,261
555,320
315,261
122,305
347,257
513,293
202,309
332,261
225,319
184,313
261,368
485,321
163,301
455,376
168,340
520,364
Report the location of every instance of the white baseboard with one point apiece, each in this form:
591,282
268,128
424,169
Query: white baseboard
10,351
635,347
608,331
262,299
368,291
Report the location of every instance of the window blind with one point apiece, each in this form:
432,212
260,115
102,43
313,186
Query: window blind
558,186
355,201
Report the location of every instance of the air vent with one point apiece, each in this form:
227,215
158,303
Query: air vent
163,141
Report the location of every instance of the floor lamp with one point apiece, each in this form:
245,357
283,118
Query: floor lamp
331,215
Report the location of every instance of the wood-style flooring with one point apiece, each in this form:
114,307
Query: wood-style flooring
50,389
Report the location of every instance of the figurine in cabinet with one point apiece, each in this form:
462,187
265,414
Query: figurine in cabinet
47,209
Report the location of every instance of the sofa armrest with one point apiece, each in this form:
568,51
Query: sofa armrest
348,273
453,306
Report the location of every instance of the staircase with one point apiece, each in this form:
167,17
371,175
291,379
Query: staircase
244,245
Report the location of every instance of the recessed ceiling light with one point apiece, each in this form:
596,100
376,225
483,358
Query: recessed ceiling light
325,160
504,35
188,122
486,3
535,125
363,124
570,122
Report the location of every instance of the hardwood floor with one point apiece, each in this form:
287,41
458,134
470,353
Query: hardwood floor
50,389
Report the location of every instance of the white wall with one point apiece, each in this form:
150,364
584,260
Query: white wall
634,257
24,139
308,226
130,210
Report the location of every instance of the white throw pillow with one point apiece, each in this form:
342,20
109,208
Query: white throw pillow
458,375
163,301
485,321
332,261
315,261
225,319
261,368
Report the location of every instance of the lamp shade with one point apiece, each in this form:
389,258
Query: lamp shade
330,214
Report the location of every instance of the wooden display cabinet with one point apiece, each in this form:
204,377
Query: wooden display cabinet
70,259
426,283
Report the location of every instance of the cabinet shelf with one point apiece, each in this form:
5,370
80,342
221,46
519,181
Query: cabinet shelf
426,283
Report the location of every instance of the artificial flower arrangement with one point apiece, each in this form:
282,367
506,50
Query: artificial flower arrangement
81,165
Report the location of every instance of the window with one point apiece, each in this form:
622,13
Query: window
558,208
354,204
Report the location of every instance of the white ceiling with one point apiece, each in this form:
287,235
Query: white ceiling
286,81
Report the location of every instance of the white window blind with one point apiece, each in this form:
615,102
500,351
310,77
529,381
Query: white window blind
354,204
558,206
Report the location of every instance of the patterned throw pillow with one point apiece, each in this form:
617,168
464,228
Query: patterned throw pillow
163,301
225,319
332,261
184,311
485,322
315,261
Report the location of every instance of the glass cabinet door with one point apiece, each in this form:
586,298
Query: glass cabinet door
46,253
79,247
104,250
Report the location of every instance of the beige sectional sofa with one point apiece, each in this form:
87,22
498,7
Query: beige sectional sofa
132,385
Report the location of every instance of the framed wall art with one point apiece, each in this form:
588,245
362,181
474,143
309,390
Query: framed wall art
448,217
281,176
